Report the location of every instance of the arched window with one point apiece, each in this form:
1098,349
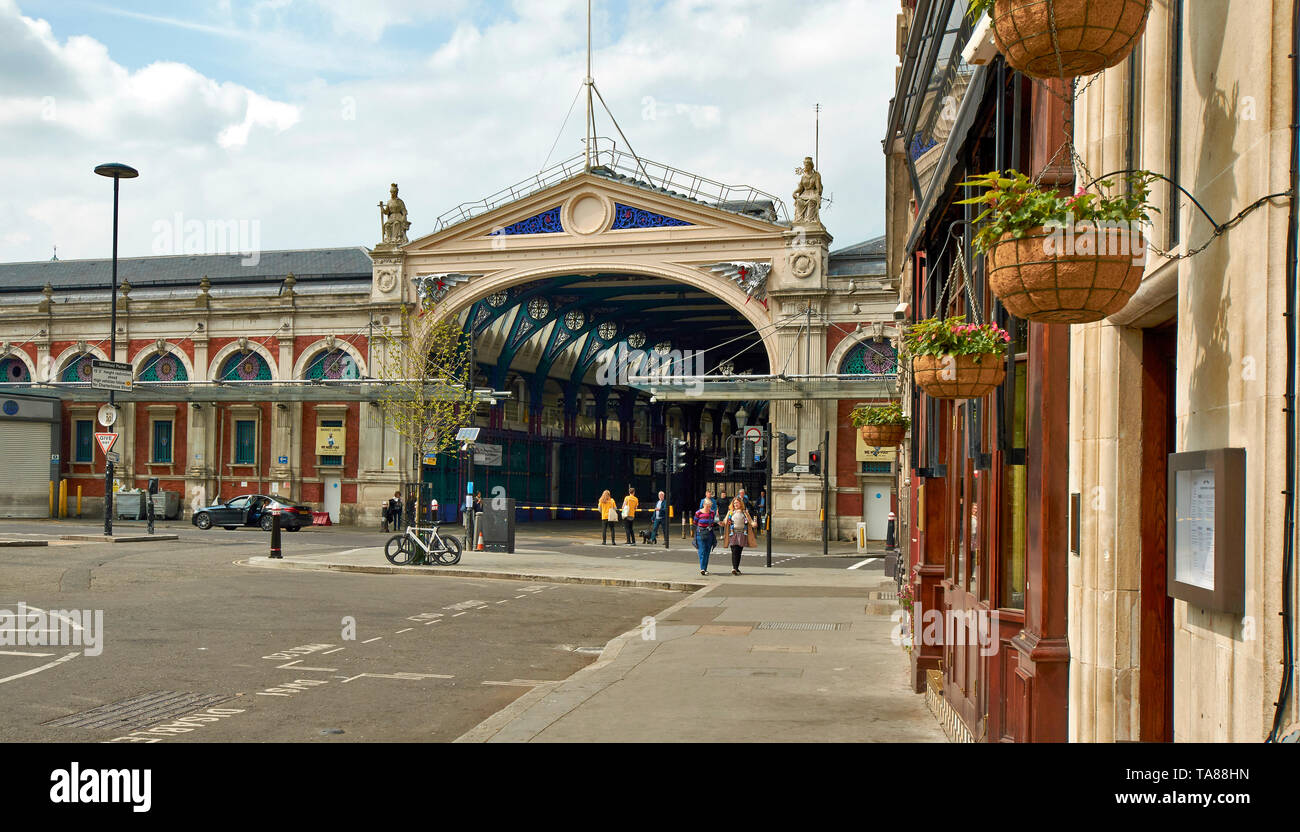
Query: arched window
332,364
78,369
245,366
13,370
164,367
870,357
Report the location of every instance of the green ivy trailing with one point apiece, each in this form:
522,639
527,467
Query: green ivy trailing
881,414
953,336
1014,204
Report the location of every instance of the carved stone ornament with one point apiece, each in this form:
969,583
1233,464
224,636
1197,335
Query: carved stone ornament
387,280
803,263
432,288
160,346
392,218
748,275
243,344
808,196
82,348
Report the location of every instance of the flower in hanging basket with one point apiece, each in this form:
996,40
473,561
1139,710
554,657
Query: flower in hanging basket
953,359
1059,259
882,426
1064,38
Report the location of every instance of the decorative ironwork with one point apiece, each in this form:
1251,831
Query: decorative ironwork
249,366
627,216
574,320
636,340
547,222
166,367
332,364
607,330
870,357
538,308
14,370
664,347
498,299
432,288
749,276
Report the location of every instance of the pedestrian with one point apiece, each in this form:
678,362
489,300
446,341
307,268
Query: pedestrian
708,498
738,525
659,518
608,514
630,505
705,539
393,511
762,509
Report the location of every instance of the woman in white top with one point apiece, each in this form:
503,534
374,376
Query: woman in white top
738,522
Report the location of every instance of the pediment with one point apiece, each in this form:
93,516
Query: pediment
589,209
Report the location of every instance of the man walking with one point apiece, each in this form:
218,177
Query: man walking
659,519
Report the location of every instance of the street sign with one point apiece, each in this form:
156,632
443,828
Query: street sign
284,460
799,469
114,457
720,465
107,415
753,434
111,375
467,435
106,441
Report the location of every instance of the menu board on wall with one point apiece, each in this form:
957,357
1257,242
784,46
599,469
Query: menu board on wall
1206,528
1194,527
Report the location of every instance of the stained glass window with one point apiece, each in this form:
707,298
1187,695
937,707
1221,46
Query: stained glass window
870,357
14,370
245,366
332,364
78,369
165,367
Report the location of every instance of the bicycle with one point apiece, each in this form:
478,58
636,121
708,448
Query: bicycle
411,548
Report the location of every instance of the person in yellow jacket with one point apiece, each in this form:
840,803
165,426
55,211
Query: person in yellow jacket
630,505
608,515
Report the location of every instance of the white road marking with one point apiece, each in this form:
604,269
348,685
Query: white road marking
335,650
376,638
20,653
523,683
861,563
505,601
435,621
291,664
405,676
521,596
407,630
39,669
453,615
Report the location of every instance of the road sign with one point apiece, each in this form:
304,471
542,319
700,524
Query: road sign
106,441
107,415
799,469
284,460
720,465
111,375
467,435
114,457
753,434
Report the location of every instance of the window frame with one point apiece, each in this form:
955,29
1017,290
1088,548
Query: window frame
234,440
76,442
153,441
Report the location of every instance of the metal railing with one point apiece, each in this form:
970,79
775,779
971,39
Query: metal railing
620,166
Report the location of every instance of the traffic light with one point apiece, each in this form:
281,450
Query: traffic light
676,455
784,453
815,463
747,454
660,466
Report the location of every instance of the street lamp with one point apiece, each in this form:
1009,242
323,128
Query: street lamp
117,172
741,417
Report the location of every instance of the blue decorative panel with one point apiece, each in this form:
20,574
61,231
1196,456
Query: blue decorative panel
245,367
870,358
625,216
547,222
78,370
165,367
13,370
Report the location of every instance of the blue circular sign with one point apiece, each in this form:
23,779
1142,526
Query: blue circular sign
11,407
877,495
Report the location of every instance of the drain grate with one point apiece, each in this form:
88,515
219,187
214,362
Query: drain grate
787,625
139,711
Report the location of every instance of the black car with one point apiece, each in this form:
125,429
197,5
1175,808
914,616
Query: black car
253,510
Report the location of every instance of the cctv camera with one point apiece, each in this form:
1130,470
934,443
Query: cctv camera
900,312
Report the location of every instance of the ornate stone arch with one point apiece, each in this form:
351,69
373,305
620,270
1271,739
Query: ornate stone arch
146,353
315,348
220,356
890,332
23,358
72,353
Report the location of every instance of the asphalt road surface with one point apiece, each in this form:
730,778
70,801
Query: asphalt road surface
198,649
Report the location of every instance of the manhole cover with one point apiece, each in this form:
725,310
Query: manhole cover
788,625
139,711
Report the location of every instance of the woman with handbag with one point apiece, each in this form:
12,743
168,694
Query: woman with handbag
630,505
608,514
705,539
739,532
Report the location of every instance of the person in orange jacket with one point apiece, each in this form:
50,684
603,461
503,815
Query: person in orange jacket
630,505
608,515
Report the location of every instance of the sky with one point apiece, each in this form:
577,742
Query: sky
291,117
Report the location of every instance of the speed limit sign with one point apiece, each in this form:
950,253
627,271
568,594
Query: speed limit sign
107,415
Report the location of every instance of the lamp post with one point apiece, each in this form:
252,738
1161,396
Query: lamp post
117,172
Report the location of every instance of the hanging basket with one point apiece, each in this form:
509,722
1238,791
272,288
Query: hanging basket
958,376
1092,34
883,436
1041,276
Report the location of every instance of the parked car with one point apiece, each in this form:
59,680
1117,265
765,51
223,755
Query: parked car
253,510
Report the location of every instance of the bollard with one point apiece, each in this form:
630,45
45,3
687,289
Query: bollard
63,498
149,499
275,536
78,501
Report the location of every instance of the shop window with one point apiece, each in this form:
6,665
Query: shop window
1012,560
162,442
245,442
331,459
85,448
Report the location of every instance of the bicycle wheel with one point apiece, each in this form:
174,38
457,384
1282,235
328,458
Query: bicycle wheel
449,554
399,549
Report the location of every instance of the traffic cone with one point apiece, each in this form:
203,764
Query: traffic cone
479,547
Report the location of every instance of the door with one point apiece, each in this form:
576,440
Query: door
25,449
875,507
1156,636
333,491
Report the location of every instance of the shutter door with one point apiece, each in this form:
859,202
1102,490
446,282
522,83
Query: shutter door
25,456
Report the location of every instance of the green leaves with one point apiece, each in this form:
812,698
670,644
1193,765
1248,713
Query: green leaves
953,336
1014,204
882,414
979,7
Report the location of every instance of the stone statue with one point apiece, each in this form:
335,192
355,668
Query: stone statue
808,196
393,219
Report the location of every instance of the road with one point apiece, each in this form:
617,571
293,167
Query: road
198,648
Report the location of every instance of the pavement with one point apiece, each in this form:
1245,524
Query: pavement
797,652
